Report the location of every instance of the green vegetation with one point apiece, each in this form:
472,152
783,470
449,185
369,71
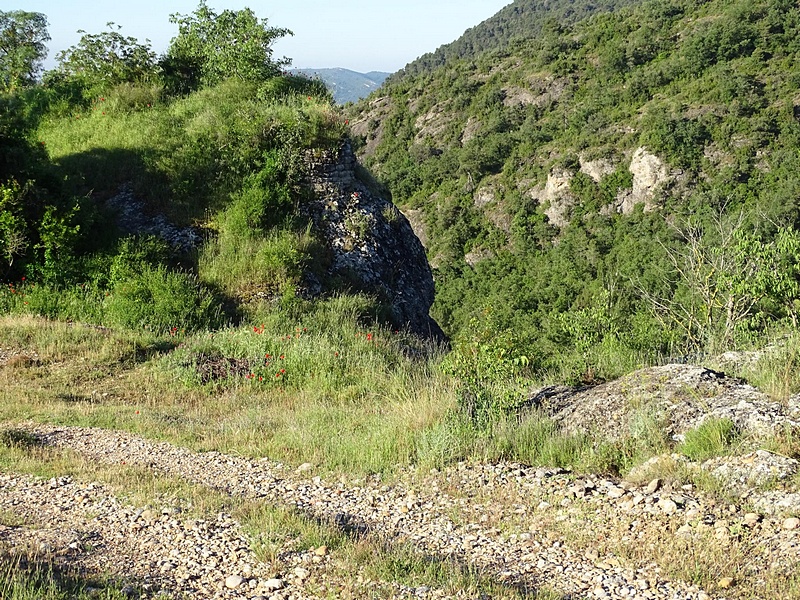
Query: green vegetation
471,139
23,36
212,347
713,438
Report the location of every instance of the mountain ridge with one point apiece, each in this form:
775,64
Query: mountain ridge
346,85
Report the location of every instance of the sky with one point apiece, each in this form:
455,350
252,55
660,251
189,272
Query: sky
361,35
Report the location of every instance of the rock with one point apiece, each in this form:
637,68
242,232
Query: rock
321,551
148,515
233,582
304,468
649,175
791,523
132,218
615,492
301,573
667,506
273,585
685,530
371,243
752,519
684,396
725,583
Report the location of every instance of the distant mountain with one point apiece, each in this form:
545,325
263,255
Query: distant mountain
346,85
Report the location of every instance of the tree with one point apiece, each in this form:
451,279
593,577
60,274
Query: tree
212,47
107,59
727,277
22,48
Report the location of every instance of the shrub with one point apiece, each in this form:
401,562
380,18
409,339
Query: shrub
162,301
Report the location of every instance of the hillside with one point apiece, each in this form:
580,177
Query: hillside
220,377
625,183
518,22
346,85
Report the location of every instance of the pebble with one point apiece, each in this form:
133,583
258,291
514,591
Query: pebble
273,585
668,506
725,583
791,523
526,548
653,486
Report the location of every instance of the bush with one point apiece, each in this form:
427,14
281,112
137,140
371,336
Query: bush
162,301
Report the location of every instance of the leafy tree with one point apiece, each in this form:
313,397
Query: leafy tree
22,47
211,47
106,59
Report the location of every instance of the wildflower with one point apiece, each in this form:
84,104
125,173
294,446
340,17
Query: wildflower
281,357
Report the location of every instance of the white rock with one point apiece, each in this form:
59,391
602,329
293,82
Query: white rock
273,585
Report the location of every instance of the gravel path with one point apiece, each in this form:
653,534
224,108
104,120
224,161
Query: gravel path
511,521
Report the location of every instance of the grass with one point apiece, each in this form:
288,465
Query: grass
714,437
276,533
351,399
27,576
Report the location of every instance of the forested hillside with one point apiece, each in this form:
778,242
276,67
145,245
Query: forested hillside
519,21
625,185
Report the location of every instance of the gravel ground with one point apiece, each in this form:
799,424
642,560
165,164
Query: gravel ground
524,526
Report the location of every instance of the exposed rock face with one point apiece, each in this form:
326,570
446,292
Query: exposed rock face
371,124
597,169
372,244
649,175
561,200
678,397
132,219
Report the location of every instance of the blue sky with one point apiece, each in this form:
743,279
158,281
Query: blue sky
362,35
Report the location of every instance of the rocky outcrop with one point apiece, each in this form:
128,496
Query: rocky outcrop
132,219
372,245
557,195
650,174
676,397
